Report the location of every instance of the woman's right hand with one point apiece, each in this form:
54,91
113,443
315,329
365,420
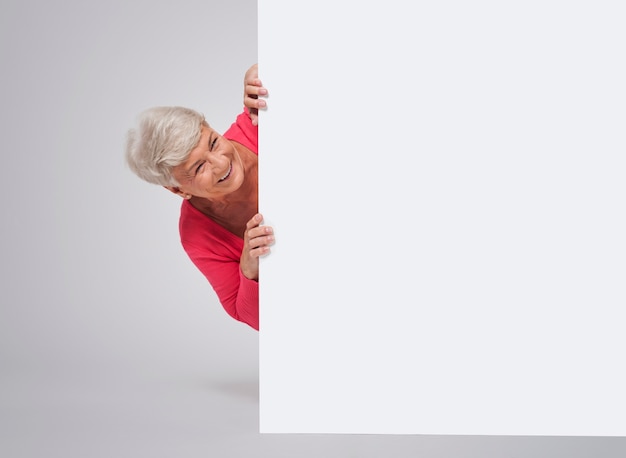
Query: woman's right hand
252,89
256,243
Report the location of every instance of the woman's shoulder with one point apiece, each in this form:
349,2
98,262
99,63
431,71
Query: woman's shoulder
242,131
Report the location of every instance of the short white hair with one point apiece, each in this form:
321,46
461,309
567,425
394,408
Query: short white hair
163,139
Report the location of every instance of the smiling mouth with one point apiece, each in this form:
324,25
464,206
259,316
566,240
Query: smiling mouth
230,169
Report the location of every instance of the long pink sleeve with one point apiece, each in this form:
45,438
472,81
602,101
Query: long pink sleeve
218,260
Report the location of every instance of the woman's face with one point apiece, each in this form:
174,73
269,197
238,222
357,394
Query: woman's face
213,169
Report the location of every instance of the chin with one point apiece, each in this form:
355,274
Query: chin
237,182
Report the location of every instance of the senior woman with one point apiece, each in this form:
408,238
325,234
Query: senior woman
216,176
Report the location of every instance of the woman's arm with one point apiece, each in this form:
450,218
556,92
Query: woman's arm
238,294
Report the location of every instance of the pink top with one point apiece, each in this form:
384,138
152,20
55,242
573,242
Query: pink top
216,251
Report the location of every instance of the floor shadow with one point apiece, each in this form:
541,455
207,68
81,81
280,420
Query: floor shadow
242,389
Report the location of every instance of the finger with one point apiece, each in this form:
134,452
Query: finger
255,103
254,222
254,112
255,240
255,90
259,231
262,241
254,81
258,252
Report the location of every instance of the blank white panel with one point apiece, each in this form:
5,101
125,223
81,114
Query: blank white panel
446,184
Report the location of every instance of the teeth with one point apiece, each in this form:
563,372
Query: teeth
230,167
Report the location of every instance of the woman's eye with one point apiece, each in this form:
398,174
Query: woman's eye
213,143
199,169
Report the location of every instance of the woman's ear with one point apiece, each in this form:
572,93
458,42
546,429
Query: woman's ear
176,190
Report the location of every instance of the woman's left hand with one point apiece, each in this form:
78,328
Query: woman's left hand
252,89
256,243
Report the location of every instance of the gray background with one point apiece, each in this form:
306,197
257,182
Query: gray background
111,343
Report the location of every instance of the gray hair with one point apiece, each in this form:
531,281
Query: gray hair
163,139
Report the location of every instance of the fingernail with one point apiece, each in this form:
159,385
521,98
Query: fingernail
262,103
262,91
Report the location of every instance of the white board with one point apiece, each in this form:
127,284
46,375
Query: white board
446,183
